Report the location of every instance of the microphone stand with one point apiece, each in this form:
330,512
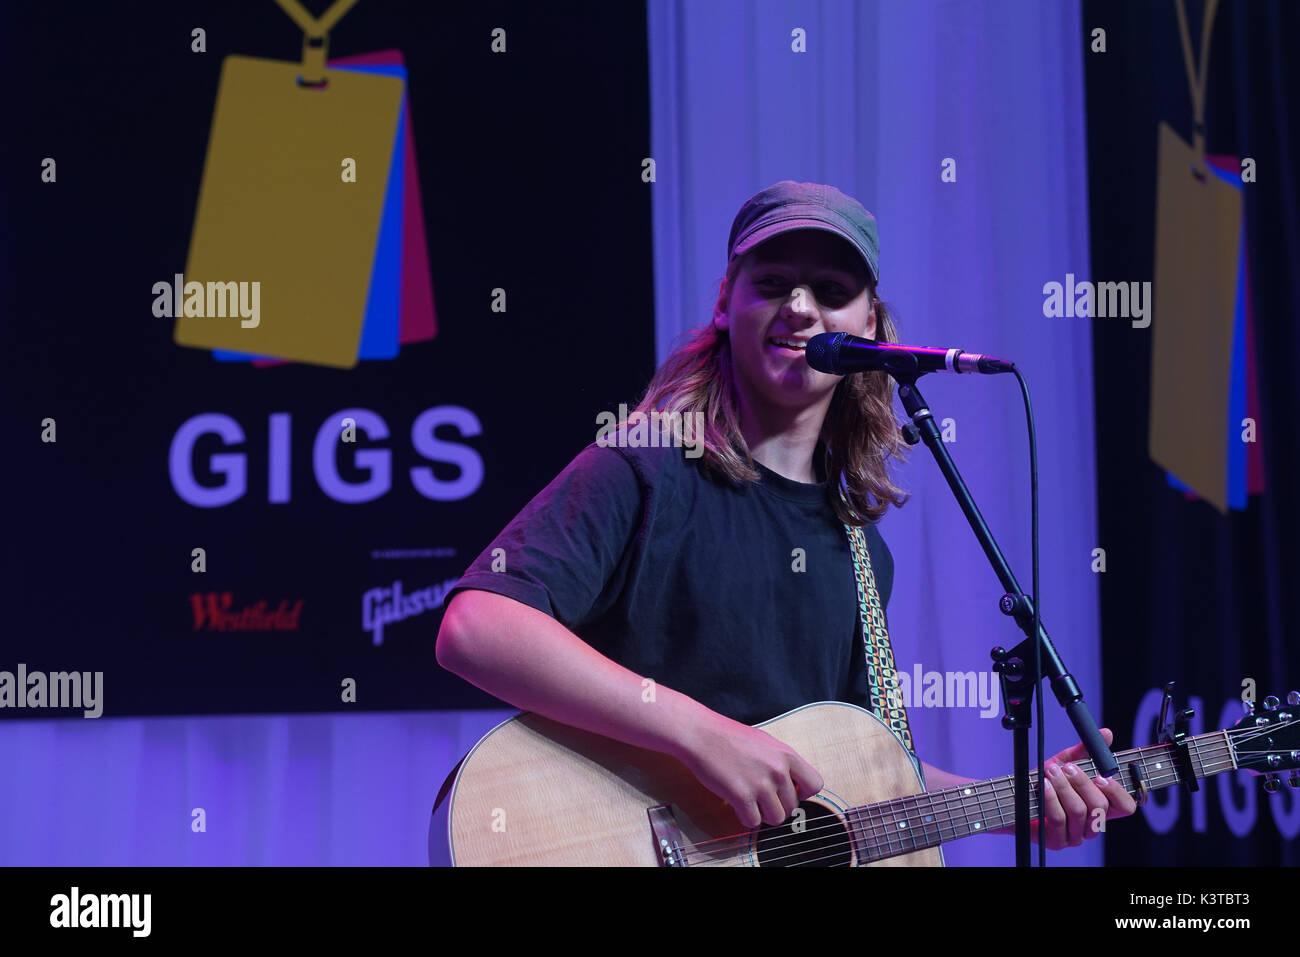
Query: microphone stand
1016,667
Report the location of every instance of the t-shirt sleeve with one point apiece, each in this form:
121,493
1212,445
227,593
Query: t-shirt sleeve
559,554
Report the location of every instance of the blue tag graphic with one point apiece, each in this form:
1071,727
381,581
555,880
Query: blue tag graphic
1236,457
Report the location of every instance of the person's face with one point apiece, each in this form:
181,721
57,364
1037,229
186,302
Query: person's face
787,290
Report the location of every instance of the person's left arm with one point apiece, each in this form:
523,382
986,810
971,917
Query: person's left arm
1072,797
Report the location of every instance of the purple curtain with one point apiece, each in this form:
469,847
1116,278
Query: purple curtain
885,95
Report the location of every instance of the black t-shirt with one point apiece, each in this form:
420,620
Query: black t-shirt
740,596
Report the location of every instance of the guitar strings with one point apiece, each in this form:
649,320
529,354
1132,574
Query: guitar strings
875,820
878,831
746,849
772,861
888,841
881,832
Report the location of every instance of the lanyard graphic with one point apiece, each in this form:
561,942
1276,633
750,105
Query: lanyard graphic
315,35
1196,77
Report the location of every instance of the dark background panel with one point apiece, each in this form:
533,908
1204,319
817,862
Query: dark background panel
529,165
1190,595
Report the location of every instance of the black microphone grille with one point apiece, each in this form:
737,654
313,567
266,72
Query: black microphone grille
823,352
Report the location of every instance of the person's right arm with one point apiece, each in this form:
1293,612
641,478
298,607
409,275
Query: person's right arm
524,656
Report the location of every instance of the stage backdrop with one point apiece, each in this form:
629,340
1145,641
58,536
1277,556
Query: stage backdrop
217,533
1196,591
960,126
935,115
482,168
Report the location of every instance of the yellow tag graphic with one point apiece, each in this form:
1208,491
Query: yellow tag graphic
1198,232
275,209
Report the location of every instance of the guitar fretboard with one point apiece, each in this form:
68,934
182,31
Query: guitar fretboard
932,818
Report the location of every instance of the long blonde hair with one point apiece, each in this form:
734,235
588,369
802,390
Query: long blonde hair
859,434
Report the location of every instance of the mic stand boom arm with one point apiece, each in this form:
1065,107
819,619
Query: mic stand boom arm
1016,666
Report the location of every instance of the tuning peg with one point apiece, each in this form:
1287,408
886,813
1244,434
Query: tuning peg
1248,707
1273,760
1271,703
1293,697
1271,783
1294,779
1262,722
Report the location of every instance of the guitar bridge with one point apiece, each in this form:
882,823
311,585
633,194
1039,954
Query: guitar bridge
667,836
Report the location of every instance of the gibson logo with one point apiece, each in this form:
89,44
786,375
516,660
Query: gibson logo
213,612
382,606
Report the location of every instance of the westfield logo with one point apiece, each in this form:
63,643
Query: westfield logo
215,611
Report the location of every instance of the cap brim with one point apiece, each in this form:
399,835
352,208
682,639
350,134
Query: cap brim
764,233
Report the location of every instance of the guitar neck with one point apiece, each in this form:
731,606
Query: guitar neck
932,818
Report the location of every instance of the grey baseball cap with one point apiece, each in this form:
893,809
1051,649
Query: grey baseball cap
789,205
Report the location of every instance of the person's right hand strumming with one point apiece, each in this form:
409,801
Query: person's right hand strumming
761,779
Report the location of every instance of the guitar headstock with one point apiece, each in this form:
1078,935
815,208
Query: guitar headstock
1267,740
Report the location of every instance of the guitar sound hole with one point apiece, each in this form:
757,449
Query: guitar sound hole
817,838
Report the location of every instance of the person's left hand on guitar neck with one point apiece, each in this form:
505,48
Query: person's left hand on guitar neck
1076,804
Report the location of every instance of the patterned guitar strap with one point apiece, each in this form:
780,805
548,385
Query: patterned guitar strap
882,676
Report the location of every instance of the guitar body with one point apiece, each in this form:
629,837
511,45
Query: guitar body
534,792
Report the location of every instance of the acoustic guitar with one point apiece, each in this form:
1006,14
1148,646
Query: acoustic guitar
535,792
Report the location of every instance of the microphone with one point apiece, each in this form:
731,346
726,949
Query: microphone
840,353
